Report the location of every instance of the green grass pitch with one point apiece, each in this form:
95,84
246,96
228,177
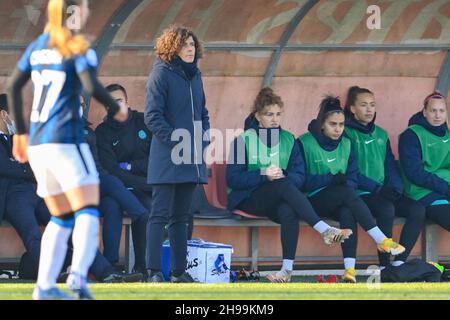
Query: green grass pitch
243,291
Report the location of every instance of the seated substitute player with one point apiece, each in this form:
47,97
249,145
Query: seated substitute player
264,173
424,151
19,204
332,178
115,199
123,143
379,183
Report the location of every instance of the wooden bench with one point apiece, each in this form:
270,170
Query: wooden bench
429,237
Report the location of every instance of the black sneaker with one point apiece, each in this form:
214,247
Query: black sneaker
155,277
142,270
123,277
184,278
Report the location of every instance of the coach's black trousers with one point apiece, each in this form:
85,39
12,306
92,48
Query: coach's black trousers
170,206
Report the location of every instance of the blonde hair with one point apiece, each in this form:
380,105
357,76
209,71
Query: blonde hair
61,37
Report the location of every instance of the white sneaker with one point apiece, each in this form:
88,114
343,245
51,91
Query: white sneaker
282,276
334,235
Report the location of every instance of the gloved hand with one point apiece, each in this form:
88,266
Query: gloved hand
339,179
125,166
389,193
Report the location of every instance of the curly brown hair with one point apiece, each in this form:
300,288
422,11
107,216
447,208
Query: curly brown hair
172,40
266,97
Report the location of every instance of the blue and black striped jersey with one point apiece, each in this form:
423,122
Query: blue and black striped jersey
55,116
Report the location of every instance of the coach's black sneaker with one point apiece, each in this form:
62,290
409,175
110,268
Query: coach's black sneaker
155,277
142,270
184,278
116,277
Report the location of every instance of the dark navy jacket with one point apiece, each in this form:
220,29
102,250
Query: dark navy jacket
91,140
174,102
314,182
11,171
244,182
410,153
128,142
391,171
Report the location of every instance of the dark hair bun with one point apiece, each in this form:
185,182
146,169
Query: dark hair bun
331,103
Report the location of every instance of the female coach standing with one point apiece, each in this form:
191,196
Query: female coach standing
175,100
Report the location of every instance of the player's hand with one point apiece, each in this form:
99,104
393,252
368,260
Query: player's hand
274,173
20,147
339,179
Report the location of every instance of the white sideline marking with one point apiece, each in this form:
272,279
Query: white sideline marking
339,272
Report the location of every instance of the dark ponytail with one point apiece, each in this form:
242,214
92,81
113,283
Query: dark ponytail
328,106
352,95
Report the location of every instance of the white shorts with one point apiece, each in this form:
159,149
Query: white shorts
60,167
